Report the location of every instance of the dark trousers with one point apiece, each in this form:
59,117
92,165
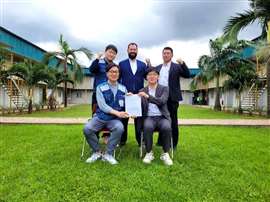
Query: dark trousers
137,125
172,107
160,124
94,102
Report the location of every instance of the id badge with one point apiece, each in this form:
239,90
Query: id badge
121,103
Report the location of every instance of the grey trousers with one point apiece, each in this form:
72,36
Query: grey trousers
95,124
160,124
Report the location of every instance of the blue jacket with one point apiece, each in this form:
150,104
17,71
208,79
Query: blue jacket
132,82
117,102
98,68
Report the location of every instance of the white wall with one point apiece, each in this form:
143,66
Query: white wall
81,97
187,97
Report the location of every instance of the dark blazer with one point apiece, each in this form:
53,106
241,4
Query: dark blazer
132,82
160,99
176,70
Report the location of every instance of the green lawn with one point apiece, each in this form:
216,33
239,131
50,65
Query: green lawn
184,112
70,111
196,112
42,163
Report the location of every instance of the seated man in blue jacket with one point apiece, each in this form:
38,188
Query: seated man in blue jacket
110,109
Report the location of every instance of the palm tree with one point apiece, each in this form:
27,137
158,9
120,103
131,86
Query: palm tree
213,66
67,58
260,10
31,73
241,73
263,52
58,78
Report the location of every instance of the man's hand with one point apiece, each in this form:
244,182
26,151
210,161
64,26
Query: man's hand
122,114
148,62
179,61
129,93
99,55
143,94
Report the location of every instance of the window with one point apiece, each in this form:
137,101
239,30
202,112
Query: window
79,94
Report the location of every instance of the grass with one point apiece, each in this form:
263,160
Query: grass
71,111
184,112
41,163
196,112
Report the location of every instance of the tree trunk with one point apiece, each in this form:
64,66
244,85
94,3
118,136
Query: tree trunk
65,94
240,111
268,87
52,100
268,73
30,105
65,84
217,105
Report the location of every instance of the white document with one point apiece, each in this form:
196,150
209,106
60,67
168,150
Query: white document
133,105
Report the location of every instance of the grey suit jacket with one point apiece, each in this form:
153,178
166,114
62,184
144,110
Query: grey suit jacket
160,99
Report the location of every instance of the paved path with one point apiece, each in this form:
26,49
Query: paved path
184,122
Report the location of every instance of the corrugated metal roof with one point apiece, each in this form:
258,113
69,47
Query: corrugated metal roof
194,71
24,48
248,52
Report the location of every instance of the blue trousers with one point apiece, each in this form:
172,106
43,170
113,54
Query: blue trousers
95,125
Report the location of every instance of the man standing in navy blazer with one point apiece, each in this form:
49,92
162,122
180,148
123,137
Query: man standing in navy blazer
132,77
169,75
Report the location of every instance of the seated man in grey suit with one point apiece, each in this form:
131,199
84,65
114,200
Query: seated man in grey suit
155,116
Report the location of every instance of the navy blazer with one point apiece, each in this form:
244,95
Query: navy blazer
176,70
132,82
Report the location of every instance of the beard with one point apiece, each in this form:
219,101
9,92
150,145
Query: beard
132,56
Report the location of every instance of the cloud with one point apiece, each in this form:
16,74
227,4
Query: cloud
150,23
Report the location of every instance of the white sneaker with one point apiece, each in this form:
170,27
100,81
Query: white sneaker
148,157
95,156
165,157
109,158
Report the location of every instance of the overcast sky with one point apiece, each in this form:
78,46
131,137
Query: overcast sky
185,25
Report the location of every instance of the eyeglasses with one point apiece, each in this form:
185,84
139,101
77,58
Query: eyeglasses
113,72
152,74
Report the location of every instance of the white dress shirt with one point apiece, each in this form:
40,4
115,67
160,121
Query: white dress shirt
133,65
164,74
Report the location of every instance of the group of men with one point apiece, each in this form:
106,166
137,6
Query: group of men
159,99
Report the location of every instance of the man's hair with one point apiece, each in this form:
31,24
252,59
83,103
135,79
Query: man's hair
168,48
151,69
111,65
132,43
111,46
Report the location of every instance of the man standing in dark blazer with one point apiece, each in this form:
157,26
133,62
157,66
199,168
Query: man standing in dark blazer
132,77
169,75
98,69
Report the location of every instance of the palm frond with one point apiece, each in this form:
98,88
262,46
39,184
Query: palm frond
86,51
78,73
237,23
